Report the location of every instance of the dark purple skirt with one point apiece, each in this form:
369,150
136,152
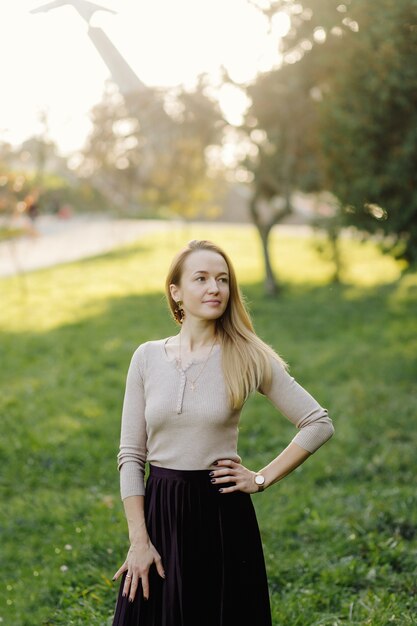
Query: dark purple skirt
211,551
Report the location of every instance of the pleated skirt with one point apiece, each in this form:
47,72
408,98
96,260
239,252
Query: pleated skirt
212,555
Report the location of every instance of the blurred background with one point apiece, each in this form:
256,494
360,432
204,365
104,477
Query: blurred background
285,131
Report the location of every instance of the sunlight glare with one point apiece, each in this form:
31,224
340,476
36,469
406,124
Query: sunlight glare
280,24
319,35
234,103
56,69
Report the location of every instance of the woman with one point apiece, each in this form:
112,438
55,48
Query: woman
196,556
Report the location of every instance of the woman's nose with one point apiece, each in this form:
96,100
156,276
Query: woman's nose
213,286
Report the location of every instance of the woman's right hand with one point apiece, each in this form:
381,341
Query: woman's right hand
138,561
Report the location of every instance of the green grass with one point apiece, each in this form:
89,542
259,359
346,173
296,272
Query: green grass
7,232
339,533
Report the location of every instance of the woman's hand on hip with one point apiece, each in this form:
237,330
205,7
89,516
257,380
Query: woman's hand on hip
228,471
138,561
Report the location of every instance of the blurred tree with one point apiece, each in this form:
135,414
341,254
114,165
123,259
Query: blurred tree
286,138
283,119
108,159
39,155
148,150
369,123
6,152
180,183
34,160
346,96
16,198
14,187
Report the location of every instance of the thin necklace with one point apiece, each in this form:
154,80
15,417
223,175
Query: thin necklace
193,382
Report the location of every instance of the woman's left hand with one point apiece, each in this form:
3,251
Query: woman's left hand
228,471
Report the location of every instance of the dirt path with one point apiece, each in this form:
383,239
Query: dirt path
62,241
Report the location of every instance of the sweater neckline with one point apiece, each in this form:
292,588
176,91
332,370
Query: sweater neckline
194,361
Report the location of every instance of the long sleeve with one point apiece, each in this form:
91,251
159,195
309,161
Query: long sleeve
131,457
296,404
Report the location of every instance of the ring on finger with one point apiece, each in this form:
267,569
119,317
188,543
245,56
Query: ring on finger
128,576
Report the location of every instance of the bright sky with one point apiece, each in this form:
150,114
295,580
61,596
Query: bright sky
49,63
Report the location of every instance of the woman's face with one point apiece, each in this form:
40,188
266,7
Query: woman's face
204,285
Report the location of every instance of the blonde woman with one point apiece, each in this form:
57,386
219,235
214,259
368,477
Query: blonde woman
195,556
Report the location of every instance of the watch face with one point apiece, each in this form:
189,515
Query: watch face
259,480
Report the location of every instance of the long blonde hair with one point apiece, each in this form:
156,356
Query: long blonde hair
246,359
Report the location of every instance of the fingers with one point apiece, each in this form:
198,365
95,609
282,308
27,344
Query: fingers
230,468
145,585
121,569
225,476
134,575
224,490
127,583
228,471
232,472
131,585
227,462
159,566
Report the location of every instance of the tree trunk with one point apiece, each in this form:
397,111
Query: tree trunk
334,236
270,282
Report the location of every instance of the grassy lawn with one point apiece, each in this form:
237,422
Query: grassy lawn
339,533
7,232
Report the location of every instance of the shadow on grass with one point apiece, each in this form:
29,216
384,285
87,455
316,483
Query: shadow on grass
126,252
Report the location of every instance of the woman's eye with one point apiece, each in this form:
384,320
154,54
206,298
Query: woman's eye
203,278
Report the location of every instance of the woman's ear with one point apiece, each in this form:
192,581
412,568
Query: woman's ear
175,292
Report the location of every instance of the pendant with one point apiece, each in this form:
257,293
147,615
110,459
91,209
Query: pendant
192,386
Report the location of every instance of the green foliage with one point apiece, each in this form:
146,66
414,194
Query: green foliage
18,189
15,188
339,533
284,110
369,123
283,120
340,115
150,161
81,196
286,101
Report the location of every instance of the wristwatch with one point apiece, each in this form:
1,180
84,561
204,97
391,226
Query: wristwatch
260,481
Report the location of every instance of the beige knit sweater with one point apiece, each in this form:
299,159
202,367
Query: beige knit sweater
170,425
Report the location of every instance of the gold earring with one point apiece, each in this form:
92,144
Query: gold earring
179,312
